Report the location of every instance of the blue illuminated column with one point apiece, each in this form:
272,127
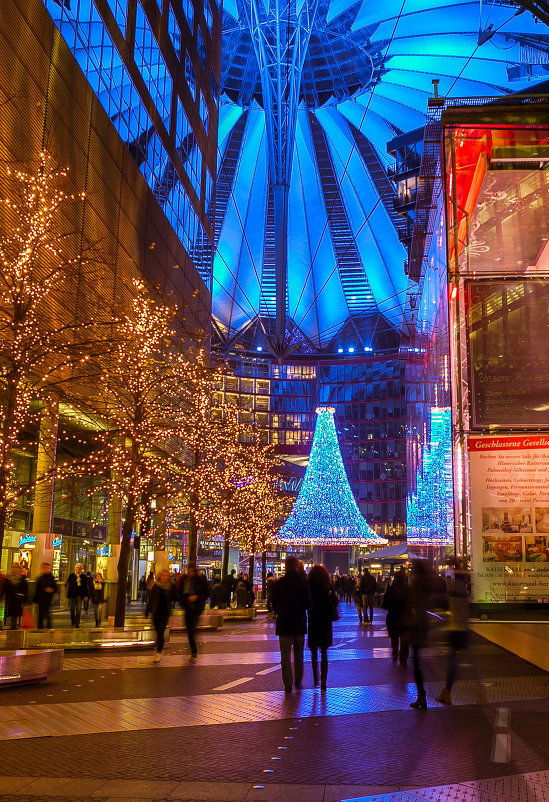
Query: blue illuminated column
280,31
325,511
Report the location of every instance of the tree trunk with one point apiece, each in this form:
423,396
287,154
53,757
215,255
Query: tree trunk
226,548
3,521
264,575
251,567
192,542
124,562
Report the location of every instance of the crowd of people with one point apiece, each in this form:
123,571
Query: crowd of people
81,591
303,605
307,605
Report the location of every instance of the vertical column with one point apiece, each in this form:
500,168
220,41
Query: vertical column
43,494
114,528
160,535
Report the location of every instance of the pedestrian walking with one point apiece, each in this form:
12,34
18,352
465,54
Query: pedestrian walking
159,606
229,583
368,586
77,592
86,602
98,597
396,602
269,585
357,598
420,595
458,632
44,591
291,600
16,590
193,595
321,615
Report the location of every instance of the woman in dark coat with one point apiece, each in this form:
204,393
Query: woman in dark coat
16,591
159,605
323,604
98,597
396,602
421,593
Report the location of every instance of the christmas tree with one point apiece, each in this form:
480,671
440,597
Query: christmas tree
325,511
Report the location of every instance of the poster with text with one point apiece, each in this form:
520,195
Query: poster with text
509,478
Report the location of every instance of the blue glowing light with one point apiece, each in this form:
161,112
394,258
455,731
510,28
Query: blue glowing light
340,350
259,348
351,350
325,511
429,510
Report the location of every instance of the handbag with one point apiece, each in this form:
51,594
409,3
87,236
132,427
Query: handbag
27,621
334,610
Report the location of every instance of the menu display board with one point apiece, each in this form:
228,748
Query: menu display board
508,334
509,478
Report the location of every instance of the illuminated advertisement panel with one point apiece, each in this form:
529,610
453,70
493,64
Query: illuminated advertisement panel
508,329
509,484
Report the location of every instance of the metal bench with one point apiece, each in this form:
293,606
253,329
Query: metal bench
73,639
238,613
21,666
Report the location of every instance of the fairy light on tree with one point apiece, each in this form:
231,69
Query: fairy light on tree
41,352
325,511
260,501
141,453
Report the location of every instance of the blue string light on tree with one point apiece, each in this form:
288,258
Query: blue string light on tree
325,511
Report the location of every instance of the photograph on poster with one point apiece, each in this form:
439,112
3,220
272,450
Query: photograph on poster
542,519
507,519
536,549
504,549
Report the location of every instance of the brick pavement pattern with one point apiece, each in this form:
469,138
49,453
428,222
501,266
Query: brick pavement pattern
118,727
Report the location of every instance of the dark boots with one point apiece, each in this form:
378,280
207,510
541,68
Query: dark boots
323,670
314,665
420,703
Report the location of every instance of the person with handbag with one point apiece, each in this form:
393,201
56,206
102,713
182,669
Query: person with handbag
291,600
321,615
159,606
16,591
98,597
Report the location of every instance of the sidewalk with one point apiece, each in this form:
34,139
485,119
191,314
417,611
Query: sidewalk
118,727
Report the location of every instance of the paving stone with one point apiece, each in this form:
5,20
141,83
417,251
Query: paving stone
63,786
8,785
335,793
211,791
137,789
285,793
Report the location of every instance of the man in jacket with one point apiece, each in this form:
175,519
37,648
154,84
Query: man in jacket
194,592
77,592
45,590
368,587
291,600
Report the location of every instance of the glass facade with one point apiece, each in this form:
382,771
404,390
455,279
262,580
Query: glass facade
430,514
171,154
368,396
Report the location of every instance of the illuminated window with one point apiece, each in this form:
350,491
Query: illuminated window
204,113
188,10
174,32
190,75
208,16
150,62
201,47
119,10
